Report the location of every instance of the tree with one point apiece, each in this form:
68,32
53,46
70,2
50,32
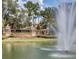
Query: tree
9,11
10,14
32,10
49,15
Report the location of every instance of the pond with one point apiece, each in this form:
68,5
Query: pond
23,51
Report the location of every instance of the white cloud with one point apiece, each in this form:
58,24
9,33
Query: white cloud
20,2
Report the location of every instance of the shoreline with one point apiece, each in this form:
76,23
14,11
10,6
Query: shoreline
24,40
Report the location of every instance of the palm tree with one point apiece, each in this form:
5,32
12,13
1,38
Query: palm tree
48,14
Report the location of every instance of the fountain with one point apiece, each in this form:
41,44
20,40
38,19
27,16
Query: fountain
66,30
66,21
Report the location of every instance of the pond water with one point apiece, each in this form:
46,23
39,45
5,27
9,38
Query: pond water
21,51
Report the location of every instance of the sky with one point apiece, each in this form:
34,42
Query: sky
44,3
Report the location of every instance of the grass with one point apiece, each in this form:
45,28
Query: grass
41,41
38,40
27,39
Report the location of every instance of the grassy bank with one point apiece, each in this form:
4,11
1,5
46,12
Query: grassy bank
42,41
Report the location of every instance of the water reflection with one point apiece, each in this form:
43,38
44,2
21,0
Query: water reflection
19,51
8,47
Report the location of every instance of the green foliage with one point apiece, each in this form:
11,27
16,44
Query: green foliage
48,13
10,14
32,8
42,24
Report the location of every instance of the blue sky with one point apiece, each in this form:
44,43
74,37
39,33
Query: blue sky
54,2
50,3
